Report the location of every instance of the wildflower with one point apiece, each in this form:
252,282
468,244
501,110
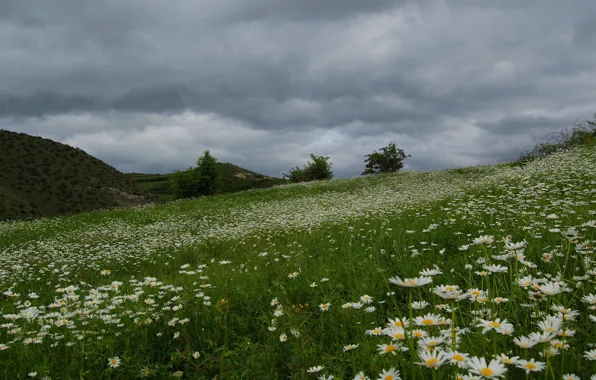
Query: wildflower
494,369
428,320
196,354
366,299
178,374
489,325
391,374
32,374
507,359
411,282
105,272
525,342
370,309
431,272
293,275
432,359
457,358
396,333
114,362
531,366
570,376
390,348
283,337
350,347
496,268
590,355
315,369
324,306
398,322
361,376
419,305
590,298
431,342
375,331
486,239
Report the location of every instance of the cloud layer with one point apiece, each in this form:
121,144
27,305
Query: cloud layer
147,85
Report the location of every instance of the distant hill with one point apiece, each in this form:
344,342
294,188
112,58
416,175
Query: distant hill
234,178
40,177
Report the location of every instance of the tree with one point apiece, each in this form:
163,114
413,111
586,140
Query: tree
317,169
208,171
389,160
201,180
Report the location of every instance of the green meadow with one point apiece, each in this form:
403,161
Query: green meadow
480,272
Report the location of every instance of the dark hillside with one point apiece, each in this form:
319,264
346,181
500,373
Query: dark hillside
41,177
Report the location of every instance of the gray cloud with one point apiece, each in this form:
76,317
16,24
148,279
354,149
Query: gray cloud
263,83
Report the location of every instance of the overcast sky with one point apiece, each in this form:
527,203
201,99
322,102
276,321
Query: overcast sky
147,85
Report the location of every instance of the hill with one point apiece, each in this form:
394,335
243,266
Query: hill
234,178
40,177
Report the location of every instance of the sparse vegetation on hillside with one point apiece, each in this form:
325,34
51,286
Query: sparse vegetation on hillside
482,272
41,177
583,133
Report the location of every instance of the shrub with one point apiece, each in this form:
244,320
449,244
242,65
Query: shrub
317,169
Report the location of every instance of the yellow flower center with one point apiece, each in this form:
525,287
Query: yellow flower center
507,361
449,288
486,371
390,348
495,324
458,357
399,336
432,343
427,322
418,334
558,344
531,366
389,377
432,362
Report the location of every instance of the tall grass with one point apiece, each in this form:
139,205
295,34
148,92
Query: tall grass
303,281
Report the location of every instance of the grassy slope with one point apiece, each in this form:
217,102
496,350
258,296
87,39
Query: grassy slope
342,238
40,177
234,178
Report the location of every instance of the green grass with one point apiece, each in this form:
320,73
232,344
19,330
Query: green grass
221,261
40,177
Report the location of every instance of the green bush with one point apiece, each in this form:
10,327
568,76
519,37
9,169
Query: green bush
317,169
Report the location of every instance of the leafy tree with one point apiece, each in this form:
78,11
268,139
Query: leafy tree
389,160
208,171
201,180
317,169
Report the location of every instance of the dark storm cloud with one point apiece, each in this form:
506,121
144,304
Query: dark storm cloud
266,82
